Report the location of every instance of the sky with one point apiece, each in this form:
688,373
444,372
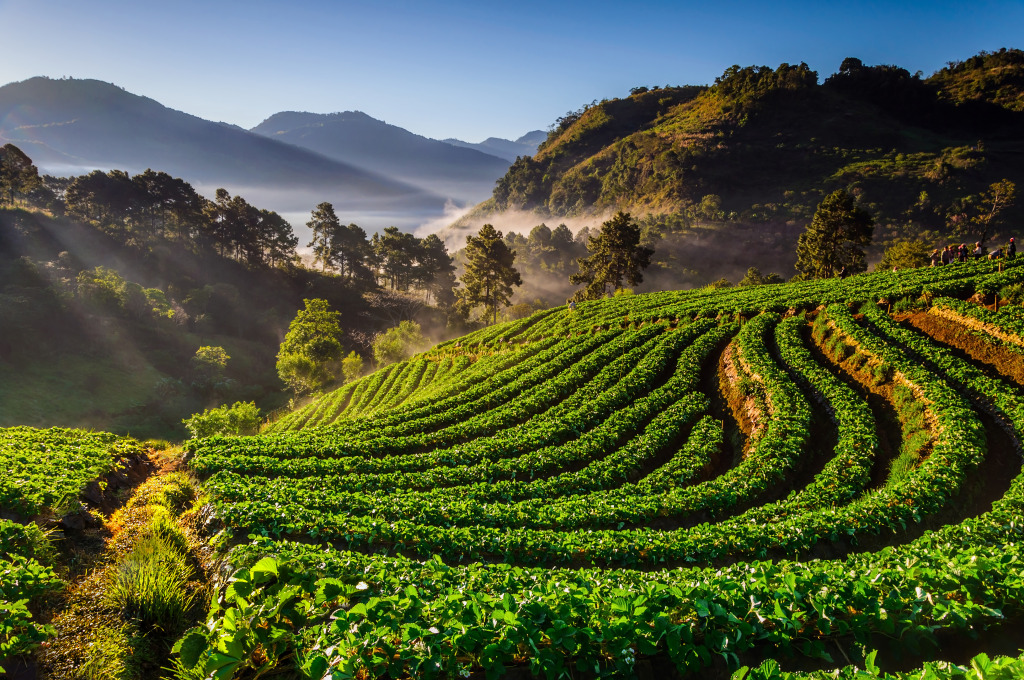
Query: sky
466,69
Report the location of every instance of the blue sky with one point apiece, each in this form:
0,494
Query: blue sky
466,69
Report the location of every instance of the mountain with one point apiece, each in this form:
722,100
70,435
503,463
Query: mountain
506,148
72,126
462,174
764,145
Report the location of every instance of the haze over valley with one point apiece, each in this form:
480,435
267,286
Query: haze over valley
376,174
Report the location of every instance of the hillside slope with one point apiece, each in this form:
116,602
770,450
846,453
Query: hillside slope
626,485
769,143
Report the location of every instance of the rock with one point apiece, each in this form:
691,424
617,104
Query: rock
93,493
73,521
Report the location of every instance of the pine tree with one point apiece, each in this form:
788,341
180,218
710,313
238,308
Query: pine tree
17,174
615,256
833,242
325,226
490,273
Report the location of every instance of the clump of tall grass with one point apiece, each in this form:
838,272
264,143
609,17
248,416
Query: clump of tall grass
153,583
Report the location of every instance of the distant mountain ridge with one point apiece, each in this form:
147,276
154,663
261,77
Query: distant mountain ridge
71,126
463,174
375,173
506,148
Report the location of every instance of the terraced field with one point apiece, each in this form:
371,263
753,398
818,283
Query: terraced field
676,484
44,472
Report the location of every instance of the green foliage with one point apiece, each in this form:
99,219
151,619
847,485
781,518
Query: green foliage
490,273
208,365
556,495
754,277
996,77
905,255
151,583
351,367
260,616
616,255
976,216
833,243
49,468
18,176
399,343
241,418
771,142
310,355
1014,293
325,227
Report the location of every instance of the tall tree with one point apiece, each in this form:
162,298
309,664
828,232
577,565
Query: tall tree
169,206
490,273
834,241
976,216
109,198
277,241
351,254
565,247
310,356
615,256
325,225
396,253
435,270
18,175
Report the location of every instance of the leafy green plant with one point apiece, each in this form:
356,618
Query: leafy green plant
241,418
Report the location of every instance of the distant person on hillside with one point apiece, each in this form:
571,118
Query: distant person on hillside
572,306
995,254
947,254
936,258
1011,250
979,252
961,253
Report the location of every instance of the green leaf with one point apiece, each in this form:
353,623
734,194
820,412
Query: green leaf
191,647
264,568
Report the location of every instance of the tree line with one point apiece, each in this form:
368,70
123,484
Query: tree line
155,206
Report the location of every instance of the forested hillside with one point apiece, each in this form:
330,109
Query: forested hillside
112,284
763,145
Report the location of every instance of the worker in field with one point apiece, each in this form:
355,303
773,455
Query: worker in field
1011,250
947,254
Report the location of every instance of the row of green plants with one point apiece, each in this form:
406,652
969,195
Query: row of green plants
483,459
391,616
418,425
25,579
47,469
637,427
927,491
463,368
1002,400
771,457
1008,320
514,403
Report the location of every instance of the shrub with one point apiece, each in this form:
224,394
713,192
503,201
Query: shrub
241,418
351,367
1013,293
